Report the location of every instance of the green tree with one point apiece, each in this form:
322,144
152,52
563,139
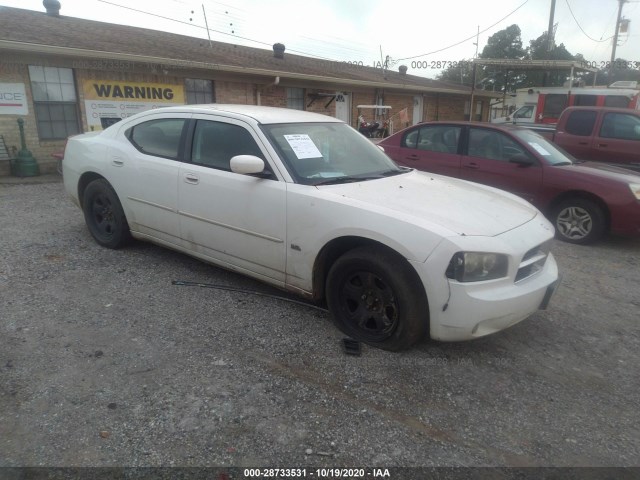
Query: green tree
539,50
461,72
506,43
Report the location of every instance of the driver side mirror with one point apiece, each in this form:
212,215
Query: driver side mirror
521,159
246,164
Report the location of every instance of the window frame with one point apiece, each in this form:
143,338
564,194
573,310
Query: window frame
47,104
129,132
420,128
581,115
500,135
614,114
269,173
609,98
189,91
557,109
291,98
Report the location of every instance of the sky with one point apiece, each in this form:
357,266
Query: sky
364,31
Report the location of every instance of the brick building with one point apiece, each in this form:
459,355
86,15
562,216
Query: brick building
65,75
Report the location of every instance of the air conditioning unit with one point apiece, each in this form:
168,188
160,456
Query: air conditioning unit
624,84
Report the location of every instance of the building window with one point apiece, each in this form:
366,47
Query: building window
554,104
617,101
479,111
295,98
54,100
199,91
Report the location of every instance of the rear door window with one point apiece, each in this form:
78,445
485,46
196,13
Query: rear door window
621,126
439,138
581,123
161,138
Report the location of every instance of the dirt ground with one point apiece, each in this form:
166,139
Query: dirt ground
104,362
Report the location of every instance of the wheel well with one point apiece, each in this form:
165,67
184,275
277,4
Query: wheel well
580,194
85,180
334,250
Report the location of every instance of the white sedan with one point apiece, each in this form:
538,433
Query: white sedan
304,202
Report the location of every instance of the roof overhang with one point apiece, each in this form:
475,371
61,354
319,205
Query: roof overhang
535,64
184,64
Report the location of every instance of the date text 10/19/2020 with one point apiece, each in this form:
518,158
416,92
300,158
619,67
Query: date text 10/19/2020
277,473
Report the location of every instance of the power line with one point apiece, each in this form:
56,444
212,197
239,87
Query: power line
204,28
466,39
580,27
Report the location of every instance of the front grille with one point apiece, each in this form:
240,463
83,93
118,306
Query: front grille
533,261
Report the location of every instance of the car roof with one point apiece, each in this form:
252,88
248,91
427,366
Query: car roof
605,109
263,115
494,126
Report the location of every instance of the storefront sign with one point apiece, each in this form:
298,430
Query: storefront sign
108,102
13,99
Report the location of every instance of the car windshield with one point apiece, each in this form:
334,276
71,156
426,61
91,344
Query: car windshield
547,150
325,153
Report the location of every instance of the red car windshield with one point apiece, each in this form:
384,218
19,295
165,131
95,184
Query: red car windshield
548,151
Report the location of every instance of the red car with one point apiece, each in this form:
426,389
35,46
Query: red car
583,200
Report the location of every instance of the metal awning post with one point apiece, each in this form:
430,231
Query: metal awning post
473,88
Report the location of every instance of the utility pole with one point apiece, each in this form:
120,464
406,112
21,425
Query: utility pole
477,42
550,40
615,38
550,30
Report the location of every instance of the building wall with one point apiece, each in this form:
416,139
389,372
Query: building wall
17,72
227,91
228,88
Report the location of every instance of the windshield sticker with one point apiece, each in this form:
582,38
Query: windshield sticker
303,146
539,148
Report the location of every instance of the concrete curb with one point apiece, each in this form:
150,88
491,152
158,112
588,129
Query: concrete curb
49,178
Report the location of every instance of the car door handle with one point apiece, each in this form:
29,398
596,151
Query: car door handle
412,157
191,178
117,161
471,165
603,144
583,143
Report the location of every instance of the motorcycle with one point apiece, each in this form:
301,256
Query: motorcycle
369,130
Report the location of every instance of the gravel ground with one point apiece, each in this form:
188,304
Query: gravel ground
103,362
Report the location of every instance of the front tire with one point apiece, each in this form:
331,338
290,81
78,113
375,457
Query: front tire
376,297
104,215
579,220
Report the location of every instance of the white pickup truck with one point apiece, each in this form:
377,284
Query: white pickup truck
525,114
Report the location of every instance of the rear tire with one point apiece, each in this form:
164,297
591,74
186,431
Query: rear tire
375,296
579,220
104,215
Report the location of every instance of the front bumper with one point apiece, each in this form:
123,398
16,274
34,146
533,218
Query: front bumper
463,311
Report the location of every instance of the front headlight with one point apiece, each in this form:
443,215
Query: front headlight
635,189
477,266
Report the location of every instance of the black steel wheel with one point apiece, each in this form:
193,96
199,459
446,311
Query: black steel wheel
104,215
375,296
579,220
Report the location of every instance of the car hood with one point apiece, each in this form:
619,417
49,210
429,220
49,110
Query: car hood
603,170
462,207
